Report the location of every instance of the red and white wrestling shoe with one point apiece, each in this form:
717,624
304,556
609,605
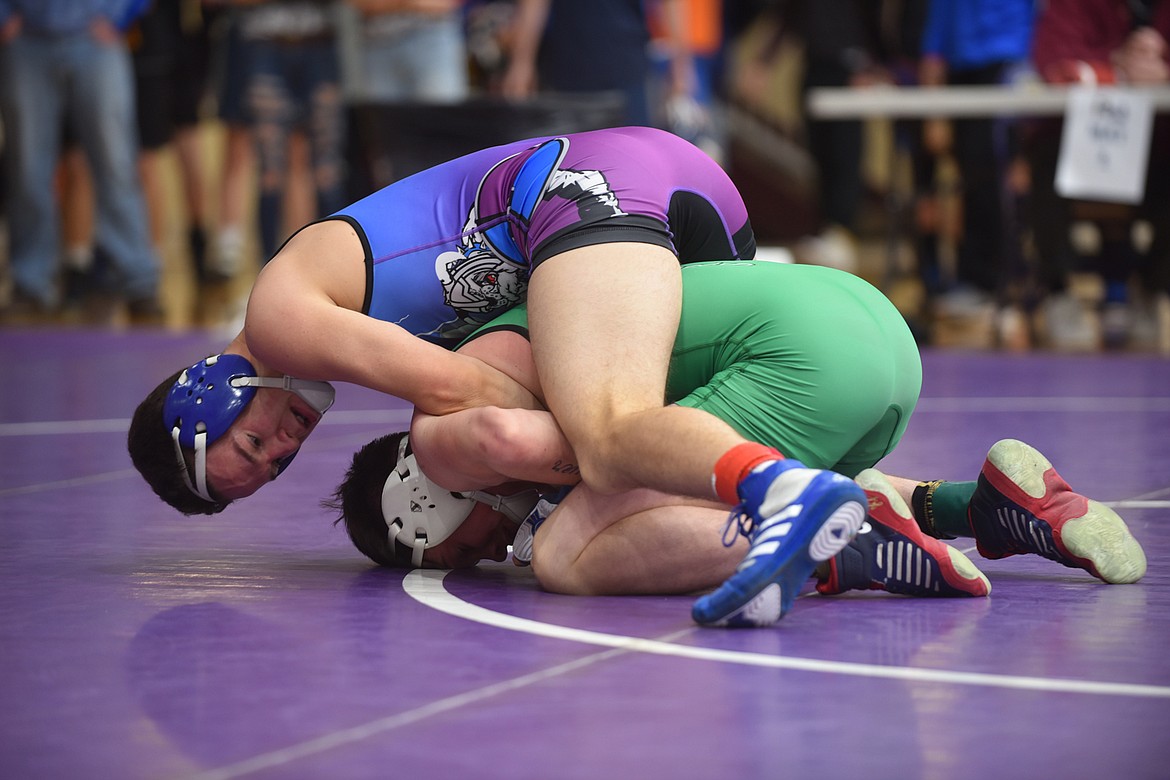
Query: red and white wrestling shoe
1022,505
891,553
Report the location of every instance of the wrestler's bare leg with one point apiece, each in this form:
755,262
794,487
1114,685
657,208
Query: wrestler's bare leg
639,542
602,321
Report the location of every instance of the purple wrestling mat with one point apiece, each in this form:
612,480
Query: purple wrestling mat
258,643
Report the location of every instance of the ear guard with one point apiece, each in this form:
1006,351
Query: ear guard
208,397
420,514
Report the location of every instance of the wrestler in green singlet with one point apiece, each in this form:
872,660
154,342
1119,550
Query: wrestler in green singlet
812,361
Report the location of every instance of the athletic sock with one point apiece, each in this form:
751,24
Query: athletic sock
735,464
940,508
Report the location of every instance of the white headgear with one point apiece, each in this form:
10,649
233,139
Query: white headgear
420,514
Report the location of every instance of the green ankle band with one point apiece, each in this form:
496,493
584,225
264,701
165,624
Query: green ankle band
922,515
922,507
949,509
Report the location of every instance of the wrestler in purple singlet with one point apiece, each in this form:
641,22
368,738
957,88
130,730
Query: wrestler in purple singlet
449,248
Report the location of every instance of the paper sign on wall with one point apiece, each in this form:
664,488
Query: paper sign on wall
1105,145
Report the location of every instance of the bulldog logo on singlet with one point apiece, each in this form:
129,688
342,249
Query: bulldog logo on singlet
488,273
477,278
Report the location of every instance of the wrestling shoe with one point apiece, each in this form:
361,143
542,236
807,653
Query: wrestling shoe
1021,505
522,543
795,518
891,553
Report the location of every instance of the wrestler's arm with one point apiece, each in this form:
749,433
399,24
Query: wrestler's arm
304,319
482,447
640,542
528,22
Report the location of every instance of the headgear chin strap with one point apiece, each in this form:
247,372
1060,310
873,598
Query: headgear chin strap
318,395
421,515
209,396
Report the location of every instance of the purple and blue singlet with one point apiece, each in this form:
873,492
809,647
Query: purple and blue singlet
449,248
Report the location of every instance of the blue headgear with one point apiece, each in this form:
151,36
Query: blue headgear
209,396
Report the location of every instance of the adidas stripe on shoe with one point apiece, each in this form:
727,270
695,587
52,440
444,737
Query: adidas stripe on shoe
795,518
891,553
1021,505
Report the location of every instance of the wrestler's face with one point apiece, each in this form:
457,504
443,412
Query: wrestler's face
249,455
484,535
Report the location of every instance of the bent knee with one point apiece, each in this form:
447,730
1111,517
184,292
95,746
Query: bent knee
552,580
554,574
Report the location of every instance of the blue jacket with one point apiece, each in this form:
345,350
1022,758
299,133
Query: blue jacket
975,33
66,17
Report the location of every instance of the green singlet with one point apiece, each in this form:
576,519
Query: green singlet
812,361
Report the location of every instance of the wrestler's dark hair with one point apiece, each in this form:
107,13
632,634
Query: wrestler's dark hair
153,452
358,500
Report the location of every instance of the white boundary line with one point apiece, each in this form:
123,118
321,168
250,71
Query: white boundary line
1055,404
64,484
426,587
401,418
1060,405
382,725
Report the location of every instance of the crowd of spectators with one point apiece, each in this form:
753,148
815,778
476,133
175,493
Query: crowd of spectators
95,93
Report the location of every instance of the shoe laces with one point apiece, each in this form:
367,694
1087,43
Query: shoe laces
739,523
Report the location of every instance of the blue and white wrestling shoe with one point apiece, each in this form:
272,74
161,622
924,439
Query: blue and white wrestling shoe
795,518
526,533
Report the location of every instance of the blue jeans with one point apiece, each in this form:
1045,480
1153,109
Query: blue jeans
43,80
296,85
426,62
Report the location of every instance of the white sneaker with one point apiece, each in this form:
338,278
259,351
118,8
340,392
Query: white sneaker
522,543
1068,324
1151,323
226,260
1012,331
833,249
1116,323
964,303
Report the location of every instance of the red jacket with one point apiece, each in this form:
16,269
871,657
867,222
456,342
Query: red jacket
1073,34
